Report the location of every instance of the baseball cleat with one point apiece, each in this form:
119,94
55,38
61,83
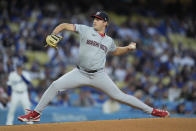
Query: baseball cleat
160,113
32,116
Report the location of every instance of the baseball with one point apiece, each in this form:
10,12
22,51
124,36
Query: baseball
133,46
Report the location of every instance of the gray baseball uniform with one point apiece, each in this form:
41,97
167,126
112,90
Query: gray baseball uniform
93,48
92,56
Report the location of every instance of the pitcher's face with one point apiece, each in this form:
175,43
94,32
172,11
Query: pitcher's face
99,24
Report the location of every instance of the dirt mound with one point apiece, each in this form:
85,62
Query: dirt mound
150,124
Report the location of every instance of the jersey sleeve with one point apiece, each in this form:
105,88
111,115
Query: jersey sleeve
112,47
81,29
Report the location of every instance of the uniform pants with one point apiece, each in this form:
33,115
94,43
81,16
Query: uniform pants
99,80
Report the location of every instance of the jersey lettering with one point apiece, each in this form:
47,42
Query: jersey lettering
96,44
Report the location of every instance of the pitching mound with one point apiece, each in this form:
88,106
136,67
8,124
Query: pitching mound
150,124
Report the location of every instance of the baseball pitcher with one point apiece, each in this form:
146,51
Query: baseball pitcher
89,71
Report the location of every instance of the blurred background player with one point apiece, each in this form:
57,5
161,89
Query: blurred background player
18,82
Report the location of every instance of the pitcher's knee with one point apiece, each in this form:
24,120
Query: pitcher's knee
57,85
54,85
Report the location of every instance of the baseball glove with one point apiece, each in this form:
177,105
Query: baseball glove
53,40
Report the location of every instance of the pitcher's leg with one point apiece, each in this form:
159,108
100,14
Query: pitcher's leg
70,80
103,82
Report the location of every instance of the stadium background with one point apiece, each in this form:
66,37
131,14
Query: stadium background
161,72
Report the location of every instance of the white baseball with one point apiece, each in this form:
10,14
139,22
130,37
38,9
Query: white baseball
133,46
